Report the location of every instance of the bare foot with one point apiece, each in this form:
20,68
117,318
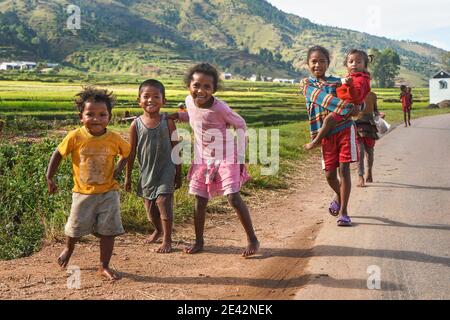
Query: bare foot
108,274
197,247
361,183
154,237
64,257
311,145
369,179
166,247
251,249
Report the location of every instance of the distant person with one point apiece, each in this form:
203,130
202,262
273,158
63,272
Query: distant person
95,200
367,136
212,175
150,139
406,99
339,147
354,89
2,124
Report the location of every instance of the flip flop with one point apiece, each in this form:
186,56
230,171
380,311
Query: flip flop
344,221
334,208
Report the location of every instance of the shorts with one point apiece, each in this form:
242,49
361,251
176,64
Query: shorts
97,214
367,142
341,147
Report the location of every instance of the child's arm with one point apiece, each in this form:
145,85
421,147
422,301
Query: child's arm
53,165
174,140
132,156
328,101
180,116
120,166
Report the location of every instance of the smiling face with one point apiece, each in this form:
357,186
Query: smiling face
95,117
318,64
355,63
151,99
202,89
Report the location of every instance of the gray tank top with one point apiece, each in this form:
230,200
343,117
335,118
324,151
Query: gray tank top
157,171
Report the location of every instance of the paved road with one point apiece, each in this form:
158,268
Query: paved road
402,224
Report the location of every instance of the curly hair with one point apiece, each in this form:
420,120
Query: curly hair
207,69
153,83
367,58
92,94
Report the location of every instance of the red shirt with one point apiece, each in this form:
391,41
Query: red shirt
356,91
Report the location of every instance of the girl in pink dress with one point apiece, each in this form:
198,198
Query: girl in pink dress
218,168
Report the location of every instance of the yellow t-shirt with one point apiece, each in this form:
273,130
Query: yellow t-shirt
93,159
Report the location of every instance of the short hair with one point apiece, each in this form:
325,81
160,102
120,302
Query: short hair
367,58
204,68
155,84
93,94
321,49
402,87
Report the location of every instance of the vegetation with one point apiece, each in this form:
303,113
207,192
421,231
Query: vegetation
385,67
138,38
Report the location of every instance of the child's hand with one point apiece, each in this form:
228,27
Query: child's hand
178,181
52,187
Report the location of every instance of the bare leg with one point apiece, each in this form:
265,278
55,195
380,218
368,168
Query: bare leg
153,216
334,183
65,255
199,222
106,250
361,166
409,117
241,209
404,118
345,187
327,125
165,205
370,160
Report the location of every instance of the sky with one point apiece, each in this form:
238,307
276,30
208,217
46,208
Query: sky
418,20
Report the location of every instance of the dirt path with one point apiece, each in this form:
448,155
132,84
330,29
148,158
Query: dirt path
286,223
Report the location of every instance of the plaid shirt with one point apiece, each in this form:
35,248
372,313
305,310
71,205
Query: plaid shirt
321,100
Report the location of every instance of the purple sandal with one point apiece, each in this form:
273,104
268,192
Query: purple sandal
344,221
334,208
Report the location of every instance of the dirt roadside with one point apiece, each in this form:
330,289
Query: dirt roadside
286,223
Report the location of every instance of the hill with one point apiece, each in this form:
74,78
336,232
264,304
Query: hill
154,37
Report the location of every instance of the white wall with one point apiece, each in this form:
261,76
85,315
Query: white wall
436,94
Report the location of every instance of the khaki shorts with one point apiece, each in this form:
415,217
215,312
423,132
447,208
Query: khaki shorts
97,214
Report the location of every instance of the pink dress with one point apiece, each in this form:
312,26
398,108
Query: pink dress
216,170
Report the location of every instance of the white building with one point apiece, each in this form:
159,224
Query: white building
227,76
18,65
440,87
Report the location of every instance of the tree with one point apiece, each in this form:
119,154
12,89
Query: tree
385,67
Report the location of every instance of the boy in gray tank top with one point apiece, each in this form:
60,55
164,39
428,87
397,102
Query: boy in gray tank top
150,139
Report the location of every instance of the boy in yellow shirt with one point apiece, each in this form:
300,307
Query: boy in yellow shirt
95,200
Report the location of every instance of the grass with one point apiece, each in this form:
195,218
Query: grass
28,215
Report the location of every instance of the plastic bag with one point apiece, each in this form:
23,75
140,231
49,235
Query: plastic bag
382,125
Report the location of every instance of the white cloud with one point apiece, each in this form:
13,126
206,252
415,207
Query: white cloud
388,18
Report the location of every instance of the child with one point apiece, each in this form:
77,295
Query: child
406,98
339,147
150,139
367,136
96,201
354,89
213,174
